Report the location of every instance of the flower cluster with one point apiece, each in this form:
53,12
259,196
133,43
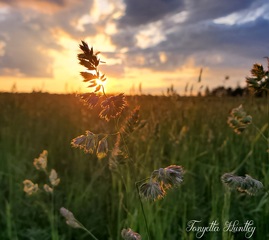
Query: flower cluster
90,144
30,187
259,81
160,181
86,142
113,106
129,234
239,120
245,184
89,99
40,163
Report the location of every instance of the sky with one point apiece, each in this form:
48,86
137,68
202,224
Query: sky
149,43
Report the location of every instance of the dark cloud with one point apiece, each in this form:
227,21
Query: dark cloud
198,37
144,11
141,12
124,38
211,9
202,42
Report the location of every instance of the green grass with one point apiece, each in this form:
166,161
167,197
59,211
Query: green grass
105,202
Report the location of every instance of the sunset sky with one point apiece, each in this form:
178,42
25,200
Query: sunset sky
153,42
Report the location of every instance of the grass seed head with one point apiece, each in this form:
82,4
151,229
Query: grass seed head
232,181
53,177
152,190
30,187
41,161
239,120
47,188
131,122
245,184
170,176
86,142
102,148
69,217
89,99
252,186
113,106
259,81
129,234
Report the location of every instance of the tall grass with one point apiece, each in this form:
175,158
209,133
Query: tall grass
191,132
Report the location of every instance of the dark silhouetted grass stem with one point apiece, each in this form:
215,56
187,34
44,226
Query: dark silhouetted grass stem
142,207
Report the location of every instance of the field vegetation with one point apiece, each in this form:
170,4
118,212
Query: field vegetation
191,132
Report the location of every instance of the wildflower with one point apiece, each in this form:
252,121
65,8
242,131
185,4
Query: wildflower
47,188
86,142
102,148
129,234
239,120
170,176
113,106
30,187
41,161
89,99
245,184
53,177
69,217
151,190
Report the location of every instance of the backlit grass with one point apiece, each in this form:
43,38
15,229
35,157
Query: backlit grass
190,132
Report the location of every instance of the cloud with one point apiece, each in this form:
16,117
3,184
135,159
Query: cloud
48,6
144,11
228,42
159,35
195,35
30,35
124,38
210,9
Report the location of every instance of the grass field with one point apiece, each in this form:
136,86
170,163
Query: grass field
189,131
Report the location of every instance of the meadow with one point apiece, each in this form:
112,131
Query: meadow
191,132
